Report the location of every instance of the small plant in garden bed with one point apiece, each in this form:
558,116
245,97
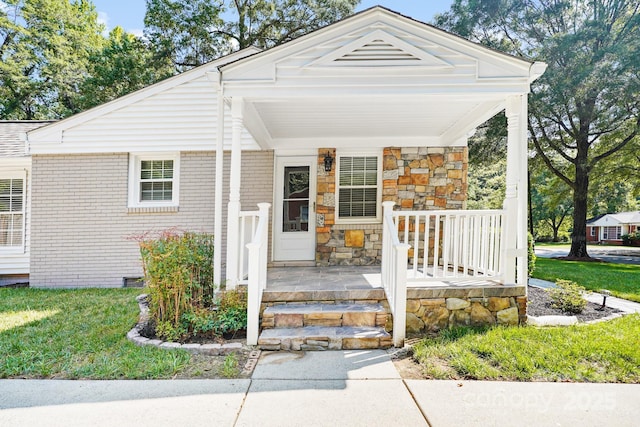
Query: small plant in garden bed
567,296
183,303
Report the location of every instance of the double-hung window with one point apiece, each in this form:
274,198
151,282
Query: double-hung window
358,188
154,180
612,233
12,211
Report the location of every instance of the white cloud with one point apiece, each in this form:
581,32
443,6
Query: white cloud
103,18
136,32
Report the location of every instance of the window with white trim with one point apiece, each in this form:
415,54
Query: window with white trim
358,187
612,233
12,207
154,180
593,231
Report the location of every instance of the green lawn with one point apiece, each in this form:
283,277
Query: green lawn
623,280
77,334
603,352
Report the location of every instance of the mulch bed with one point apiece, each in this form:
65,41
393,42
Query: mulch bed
539,304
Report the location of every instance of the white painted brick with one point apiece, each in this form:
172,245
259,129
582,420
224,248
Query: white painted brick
81,227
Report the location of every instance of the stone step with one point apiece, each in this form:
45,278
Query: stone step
330,315
324,338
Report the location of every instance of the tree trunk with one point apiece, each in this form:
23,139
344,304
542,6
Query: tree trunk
580,191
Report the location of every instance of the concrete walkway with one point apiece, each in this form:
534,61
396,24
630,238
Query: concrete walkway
337,388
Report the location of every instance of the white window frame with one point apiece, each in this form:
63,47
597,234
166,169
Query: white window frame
617,233
18,174
361,220
135,162
593,232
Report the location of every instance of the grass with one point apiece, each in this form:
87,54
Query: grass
623,280
603,352
77,334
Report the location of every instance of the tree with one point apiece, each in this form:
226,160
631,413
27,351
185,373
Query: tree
586,107
123,65
550,202
192,32
44,50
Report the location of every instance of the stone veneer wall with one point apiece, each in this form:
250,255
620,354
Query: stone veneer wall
416,178
428,309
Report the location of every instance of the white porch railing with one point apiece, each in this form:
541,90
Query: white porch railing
394,274
253,241
452,245
447,245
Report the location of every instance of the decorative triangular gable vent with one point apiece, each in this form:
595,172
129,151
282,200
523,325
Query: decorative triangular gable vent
379,49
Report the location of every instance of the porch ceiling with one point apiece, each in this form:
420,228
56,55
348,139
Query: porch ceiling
367,121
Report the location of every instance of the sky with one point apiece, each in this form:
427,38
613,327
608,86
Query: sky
129,14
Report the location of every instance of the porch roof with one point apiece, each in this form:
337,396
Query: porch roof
372,80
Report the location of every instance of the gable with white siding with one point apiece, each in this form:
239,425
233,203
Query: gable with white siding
178,114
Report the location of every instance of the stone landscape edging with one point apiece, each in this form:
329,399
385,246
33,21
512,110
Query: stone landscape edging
205,349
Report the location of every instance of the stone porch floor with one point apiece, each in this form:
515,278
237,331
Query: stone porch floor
358,278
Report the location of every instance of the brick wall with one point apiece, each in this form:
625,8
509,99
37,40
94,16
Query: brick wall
416,178
81,226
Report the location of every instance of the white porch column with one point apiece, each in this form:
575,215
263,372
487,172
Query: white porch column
217,220
515,203
233,218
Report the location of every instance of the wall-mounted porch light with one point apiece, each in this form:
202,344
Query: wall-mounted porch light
328,162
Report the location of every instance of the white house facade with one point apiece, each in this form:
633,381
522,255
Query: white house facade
345,146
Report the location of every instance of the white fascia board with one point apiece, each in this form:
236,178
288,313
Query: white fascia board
57,129
259,89
165,146
359,142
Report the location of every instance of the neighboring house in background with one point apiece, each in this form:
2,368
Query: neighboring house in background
373,110
609,228
15,207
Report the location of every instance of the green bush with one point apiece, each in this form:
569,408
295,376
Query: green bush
531,259
631,238
567,296
178,271
231,313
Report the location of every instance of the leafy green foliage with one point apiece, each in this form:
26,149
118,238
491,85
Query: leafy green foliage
567,296
124,64
584,109
178,271
603,352
192,32
231,313
631,238
230,367
531,255
45,46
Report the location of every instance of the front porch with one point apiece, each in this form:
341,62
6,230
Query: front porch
368,121
345,307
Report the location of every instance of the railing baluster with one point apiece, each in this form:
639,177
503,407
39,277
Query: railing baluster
436,245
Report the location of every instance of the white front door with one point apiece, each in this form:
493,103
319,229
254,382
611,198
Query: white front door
294,234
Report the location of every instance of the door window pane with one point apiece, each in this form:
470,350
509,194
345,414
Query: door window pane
295,205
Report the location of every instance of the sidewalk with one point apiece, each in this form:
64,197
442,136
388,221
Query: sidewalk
336,388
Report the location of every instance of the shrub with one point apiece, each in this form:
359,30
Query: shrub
231,312
631,238
178,270
567,296
531,259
